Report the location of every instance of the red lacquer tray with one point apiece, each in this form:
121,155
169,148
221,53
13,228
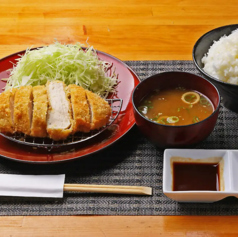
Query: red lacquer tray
127,81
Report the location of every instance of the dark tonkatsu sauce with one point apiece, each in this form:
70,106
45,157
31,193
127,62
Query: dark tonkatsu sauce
196,176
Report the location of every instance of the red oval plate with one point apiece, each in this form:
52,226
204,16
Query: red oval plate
127,81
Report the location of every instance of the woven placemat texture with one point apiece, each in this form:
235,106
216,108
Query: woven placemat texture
133,160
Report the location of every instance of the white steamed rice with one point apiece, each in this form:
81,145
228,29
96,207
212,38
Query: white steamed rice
221,61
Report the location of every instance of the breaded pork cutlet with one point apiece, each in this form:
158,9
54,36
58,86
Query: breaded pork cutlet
80,109
40,107
100,110
6,111
52,110
59,120
23,109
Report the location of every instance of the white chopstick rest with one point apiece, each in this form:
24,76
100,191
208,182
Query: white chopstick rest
32,185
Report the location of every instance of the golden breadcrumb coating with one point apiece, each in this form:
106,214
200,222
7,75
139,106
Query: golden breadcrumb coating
80,109
40,107
100,110
6,111
59,117
23,109
53,110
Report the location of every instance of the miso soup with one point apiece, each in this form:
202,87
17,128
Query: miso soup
178,106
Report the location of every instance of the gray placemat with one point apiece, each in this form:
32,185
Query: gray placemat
131,161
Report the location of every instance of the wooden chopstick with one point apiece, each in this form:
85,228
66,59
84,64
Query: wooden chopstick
137,190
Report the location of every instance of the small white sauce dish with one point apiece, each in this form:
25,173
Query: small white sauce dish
228,166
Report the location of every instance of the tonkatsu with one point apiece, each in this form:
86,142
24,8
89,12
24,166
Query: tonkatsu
6,111
55,110
40,108
59,121
80,109
23,109
99,109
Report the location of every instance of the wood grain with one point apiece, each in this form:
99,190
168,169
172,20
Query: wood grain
126,226
129,30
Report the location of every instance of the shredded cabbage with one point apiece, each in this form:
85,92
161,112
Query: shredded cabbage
68,63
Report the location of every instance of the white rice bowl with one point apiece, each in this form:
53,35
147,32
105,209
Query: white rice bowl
221,61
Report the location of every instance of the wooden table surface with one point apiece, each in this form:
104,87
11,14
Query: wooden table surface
129,30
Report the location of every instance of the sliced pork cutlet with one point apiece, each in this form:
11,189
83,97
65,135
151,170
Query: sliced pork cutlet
23,109
80,109
40,107
6,111
100,110
59,120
